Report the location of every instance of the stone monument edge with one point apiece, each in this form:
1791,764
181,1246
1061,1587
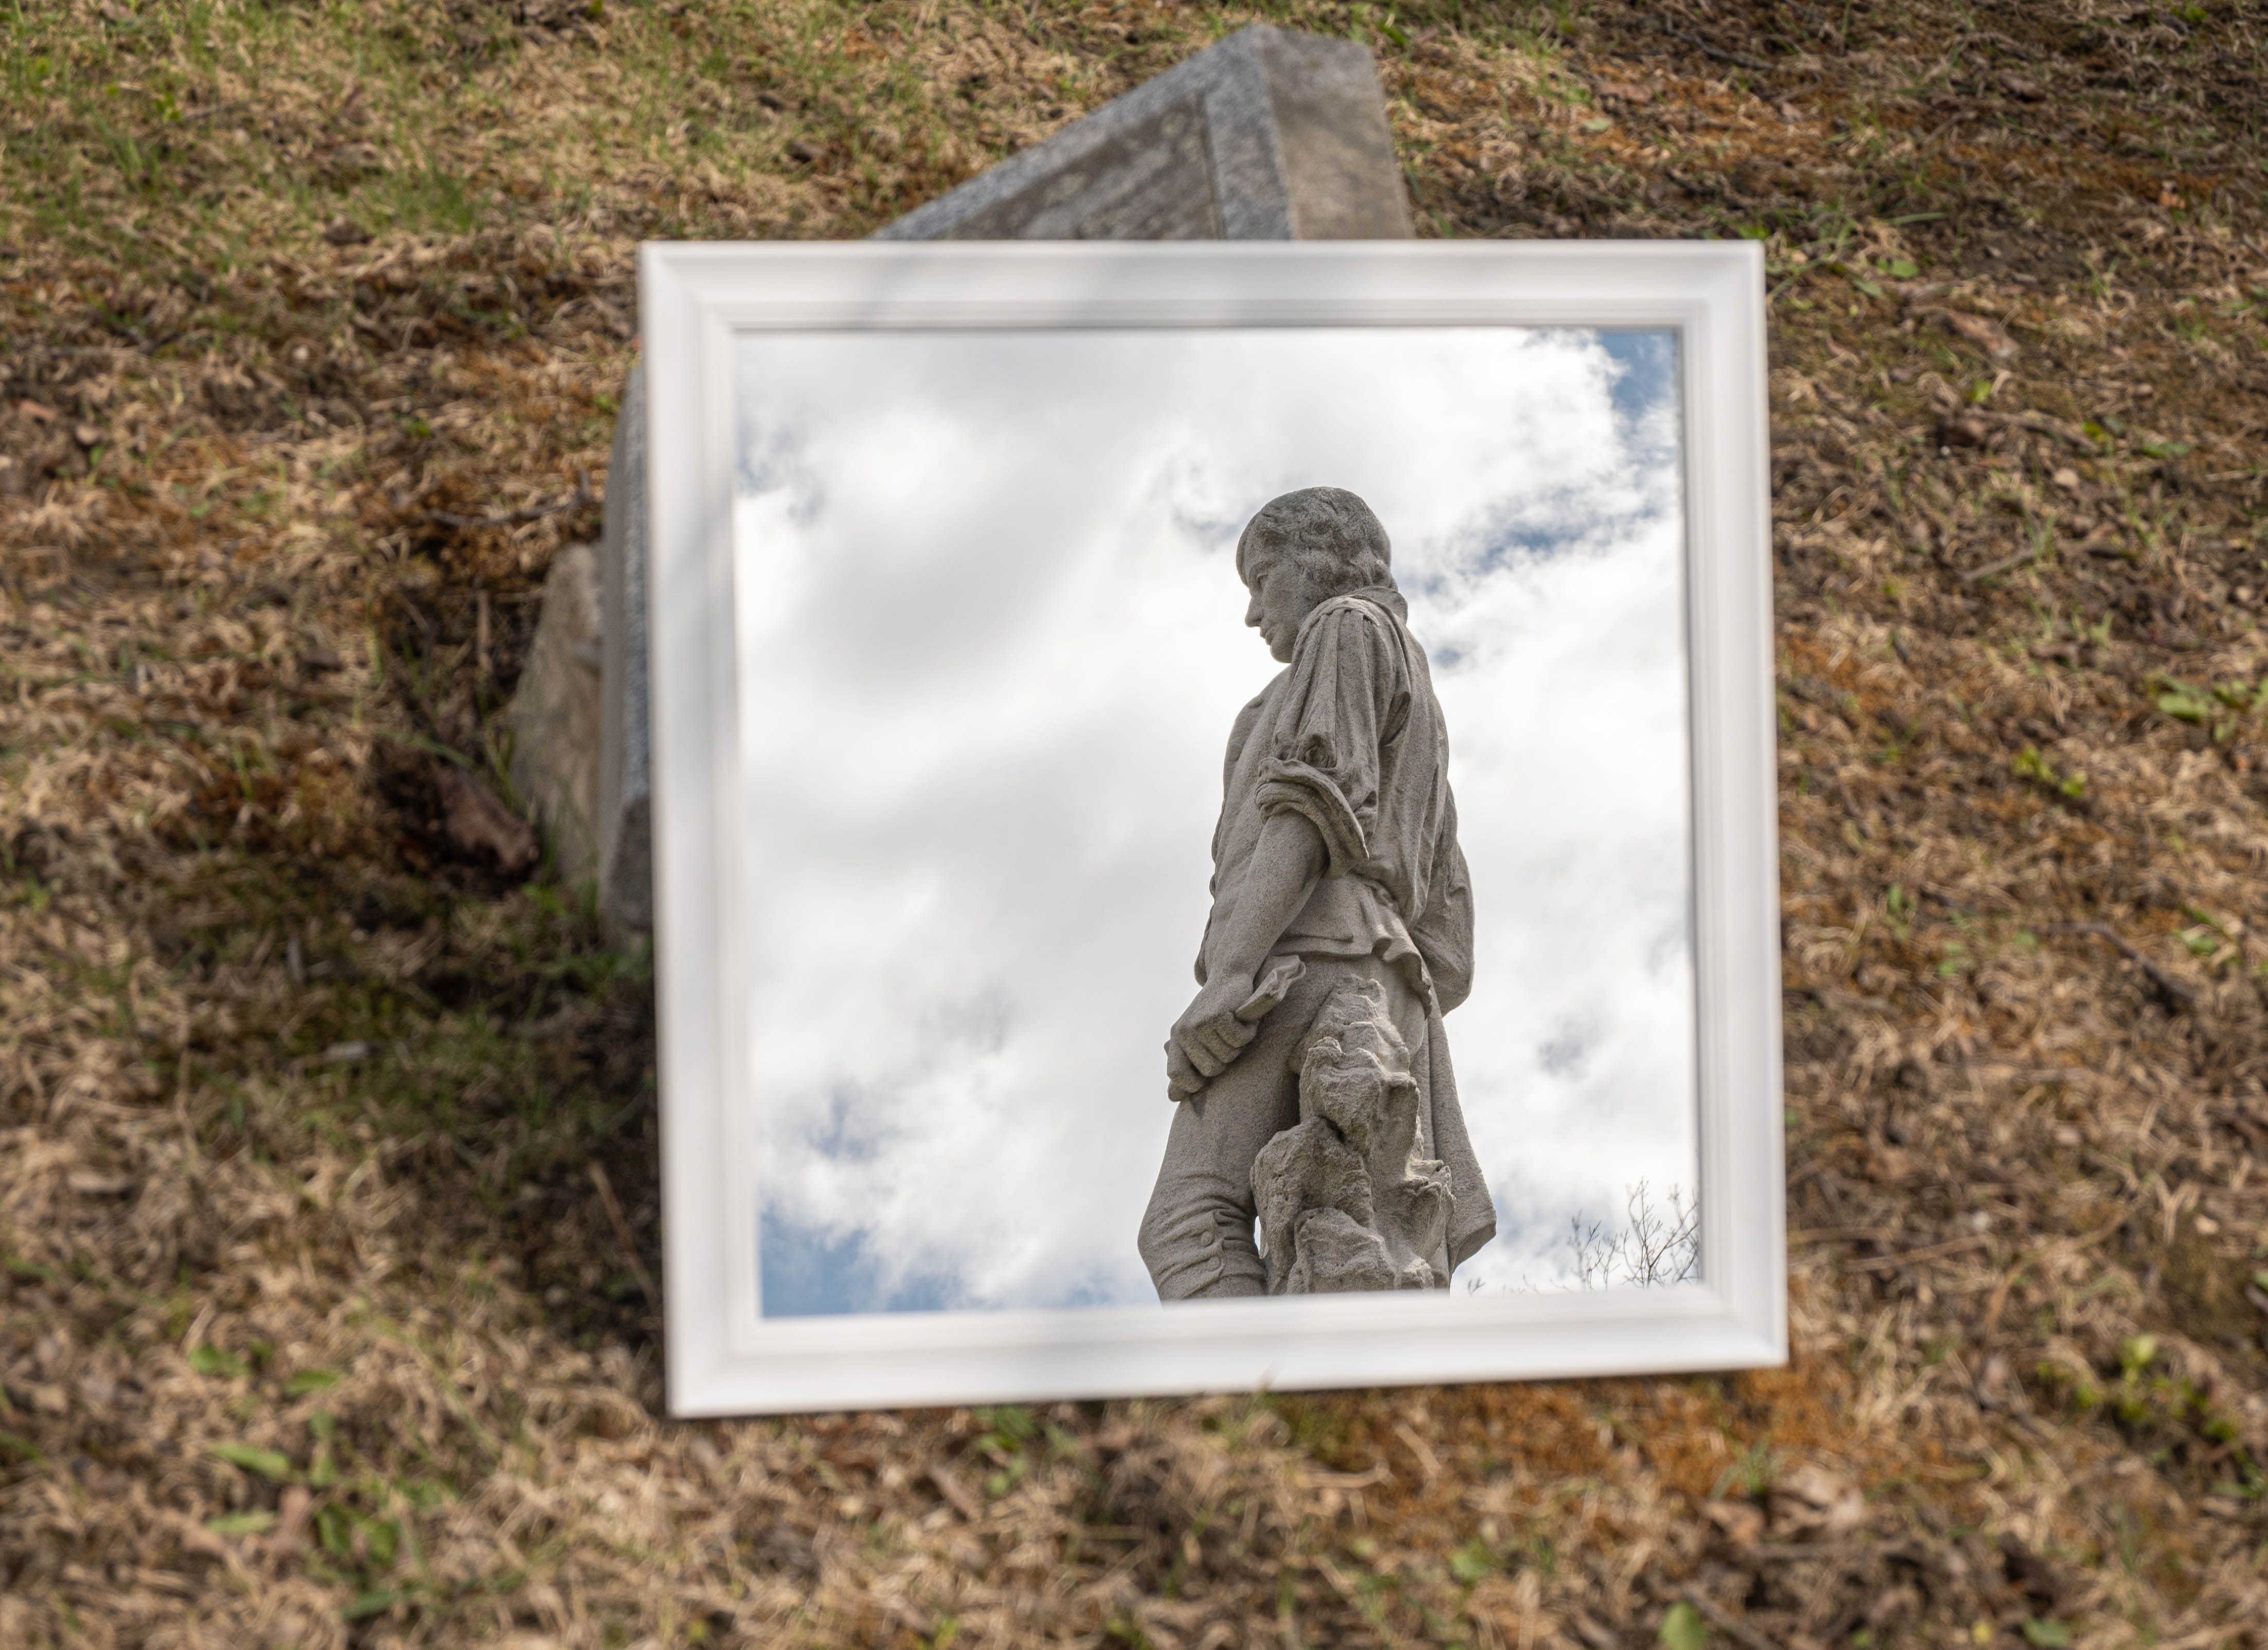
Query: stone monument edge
1339,179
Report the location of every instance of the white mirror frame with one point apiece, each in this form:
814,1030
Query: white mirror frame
724,1358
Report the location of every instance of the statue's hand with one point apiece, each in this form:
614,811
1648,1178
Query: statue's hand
1209,1035
1184,1080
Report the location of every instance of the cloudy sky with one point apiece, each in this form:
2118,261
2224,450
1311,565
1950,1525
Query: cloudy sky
992,642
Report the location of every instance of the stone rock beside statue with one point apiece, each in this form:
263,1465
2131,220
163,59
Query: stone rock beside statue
1345,1200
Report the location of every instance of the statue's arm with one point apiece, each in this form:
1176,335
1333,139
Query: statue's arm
1278,881
1282,874
1318,786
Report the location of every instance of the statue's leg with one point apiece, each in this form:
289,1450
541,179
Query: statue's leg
1197,1238
1197,1243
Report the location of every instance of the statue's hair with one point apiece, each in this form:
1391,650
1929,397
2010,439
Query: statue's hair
1329,531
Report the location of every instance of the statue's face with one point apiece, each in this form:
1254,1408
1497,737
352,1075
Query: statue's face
1284,593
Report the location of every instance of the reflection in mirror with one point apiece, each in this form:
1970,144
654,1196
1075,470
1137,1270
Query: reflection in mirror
993,642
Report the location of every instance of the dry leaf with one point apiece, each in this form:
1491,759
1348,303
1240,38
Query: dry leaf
2032,1575
480,823
950,1486
1988,336
1894,1604
290,1519
1810,1497
1741,1523
1887,1165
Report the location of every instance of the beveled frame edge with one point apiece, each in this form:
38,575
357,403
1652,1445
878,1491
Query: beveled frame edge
722,1357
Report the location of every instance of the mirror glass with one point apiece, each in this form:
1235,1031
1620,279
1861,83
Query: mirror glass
992,644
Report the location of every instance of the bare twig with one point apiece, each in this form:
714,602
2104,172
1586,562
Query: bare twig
2178,994
623,1230
1799,1552
1709,51
955,1492
1725,1622
1979,575
2025,1076
1828,997
1428,1463
2039,423
1377,1472
513,518
1935,1251
215,111
1652,1250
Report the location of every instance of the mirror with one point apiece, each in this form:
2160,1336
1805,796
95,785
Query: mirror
991,644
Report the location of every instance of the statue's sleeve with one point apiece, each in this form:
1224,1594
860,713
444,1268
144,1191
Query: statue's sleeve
1322,759
1443,933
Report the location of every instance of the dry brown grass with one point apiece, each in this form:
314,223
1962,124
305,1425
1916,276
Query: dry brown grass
316,1329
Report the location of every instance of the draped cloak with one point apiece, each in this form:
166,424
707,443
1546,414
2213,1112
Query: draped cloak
1349,737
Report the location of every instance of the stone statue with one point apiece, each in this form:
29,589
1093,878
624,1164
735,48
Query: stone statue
1312,1075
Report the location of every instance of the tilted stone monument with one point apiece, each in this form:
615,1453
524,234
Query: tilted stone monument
581,760
1268,136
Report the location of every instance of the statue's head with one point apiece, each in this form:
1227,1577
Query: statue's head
1302,549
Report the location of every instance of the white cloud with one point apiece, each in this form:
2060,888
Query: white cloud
991,650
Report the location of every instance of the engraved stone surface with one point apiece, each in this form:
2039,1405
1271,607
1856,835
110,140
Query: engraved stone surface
1151,179
1340,175
1268,136
555,716
625,860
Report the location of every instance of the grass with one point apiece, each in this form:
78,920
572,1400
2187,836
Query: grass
316,1327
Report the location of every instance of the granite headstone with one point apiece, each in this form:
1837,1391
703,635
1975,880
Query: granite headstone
1270,134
